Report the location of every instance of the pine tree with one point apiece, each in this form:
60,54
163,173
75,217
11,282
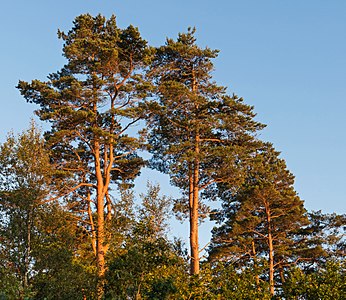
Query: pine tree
198,134
262,219
322,240
90,104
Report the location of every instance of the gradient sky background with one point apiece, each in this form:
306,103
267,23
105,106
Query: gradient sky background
287,58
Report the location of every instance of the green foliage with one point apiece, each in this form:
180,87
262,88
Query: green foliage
24,186
39,238
263,218
326,283
191,109
149,265
147,268
92,97
231,283
122,222
154,212
198,134
91,104
63,269
10,285
59,220
326,234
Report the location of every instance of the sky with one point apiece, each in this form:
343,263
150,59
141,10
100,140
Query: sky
286,58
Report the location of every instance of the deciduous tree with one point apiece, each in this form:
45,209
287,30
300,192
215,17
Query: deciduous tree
149,266
40,241
25,183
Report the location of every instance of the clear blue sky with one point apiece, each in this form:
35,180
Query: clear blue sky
287,58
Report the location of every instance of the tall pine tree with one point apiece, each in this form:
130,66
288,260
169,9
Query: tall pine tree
90,104
198,134
262,219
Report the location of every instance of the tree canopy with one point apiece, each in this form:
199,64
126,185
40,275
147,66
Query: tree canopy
72,226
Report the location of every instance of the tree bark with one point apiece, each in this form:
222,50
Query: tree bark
271,253
194,213
100,234
193,229
92,224
194,235
100,246
194,190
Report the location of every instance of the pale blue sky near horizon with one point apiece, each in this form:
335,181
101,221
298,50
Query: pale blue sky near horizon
287,58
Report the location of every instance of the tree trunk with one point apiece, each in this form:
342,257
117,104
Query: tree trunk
100,246
27,250
100,229
194,236
271,264
194,260
92,224
271,253
255,265
282,275
194,213
194,193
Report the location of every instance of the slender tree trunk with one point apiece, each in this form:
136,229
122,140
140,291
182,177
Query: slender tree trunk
194,238
194,214
100,245
138,294
271,264
109,207
27,250
255,264
194,247
282,275
100,229
92,224
194,196
271,252
191,218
